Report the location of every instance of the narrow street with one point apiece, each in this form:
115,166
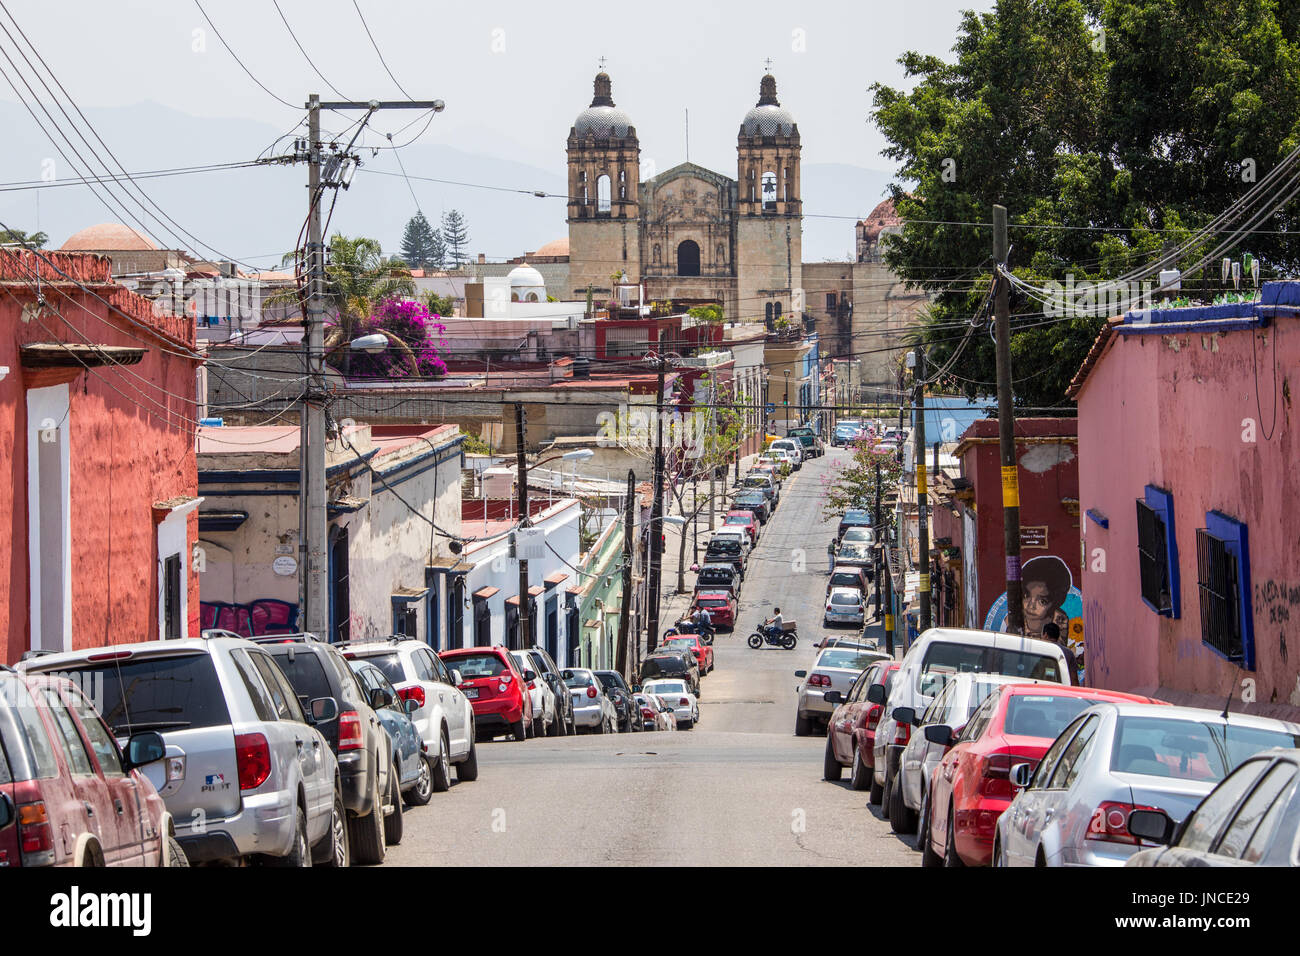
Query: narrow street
739,789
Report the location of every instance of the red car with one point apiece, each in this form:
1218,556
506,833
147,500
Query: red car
68,794
972,784
851,732
495,689
743,519
721,606
702,652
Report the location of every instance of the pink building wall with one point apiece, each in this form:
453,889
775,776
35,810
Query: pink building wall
1177,411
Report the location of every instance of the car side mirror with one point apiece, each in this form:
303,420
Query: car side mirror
940,734
1021,774
380,698
410,705
904,715
833,697
530,676
455,677
323,709
6,810
876,694
143,748
567,675
800,673
1152,825
695,567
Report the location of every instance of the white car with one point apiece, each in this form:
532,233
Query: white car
844,606
675,693
542,697
934,657
836,668
791,448
1117,757
444,717
592,707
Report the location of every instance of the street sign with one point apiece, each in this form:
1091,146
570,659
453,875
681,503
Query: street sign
530,544
769,408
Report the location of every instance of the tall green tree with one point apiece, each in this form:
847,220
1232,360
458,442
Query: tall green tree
1109,129
422,246
455,236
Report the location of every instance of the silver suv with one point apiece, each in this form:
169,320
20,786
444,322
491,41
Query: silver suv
259,780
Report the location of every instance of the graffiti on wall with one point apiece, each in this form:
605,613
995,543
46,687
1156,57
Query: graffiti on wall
1048,594
265,616
1276,604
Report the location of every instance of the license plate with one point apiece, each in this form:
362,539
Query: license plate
471,693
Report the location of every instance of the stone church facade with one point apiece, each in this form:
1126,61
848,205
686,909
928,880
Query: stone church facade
692,235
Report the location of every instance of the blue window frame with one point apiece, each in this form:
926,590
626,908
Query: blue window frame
1223,583
1158,552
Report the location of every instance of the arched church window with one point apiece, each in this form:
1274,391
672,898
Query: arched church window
688,258
602,195
769,191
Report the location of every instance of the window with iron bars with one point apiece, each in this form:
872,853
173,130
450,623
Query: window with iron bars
1153,558
1217,580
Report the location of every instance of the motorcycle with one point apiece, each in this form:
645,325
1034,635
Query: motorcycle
769,635
689,627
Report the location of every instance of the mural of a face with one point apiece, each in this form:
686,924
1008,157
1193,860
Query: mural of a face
1038,607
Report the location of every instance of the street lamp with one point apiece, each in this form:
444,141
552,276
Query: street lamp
373,343
787,399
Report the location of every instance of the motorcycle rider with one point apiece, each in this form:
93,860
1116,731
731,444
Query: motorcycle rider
775,625
703,622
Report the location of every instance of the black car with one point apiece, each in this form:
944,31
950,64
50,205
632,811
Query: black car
718,577
853,518
726,552
672,664
756,502
546,669
616,689
367,770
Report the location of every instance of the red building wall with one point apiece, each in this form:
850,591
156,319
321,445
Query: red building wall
131,447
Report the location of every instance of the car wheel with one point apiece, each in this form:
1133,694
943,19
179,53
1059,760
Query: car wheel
831,769
600,727
174,853
467,769
519,730
901,819
300,854
440,776
393,818
950,857
877,793
861,774
539,727
999,858
925,838
802,726
685,724
555,727
367,833
336,851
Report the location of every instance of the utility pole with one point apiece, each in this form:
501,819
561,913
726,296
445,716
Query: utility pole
889,601
922,498
1006,427
625,613
656,514
880,540
313,518
521,492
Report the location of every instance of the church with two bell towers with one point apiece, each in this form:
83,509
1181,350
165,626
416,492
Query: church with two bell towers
691,235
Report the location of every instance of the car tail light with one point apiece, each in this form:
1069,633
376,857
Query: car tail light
504,678
873,716
110,656
412,693
684,702
35,834
995,773
819,680
591,692
253,755
1110,822
647,713
902,734
349,730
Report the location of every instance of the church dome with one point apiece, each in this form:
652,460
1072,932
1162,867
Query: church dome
106,237
556,247
768,117
602,118
526,285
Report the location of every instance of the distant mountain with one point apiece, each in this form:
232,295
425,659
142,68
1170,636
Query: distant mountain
254,214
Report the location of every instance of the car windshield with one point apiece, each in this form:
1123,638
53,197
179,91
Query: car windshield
611,679
711,602
157,693
1166,747
1043,715
578,679
846,579
750,498
853,598
858,534
756,481
389,664
724,546
739,519
1242,743
304,670
944,658
478,665
847,657
669,687
680,643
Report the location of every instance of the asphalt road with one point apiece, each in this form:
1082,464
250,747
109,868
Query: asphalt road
739,789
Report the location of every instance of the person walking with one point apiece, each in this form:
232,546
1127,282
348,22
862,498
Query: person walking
1052,632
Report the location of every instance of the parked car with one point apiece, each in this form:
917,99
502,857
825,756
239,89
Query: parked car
727,549
356,736
410,771
655,714
790,455
849,576
1249,819
856,641
548,672
717,577
671,663
593,709
1115,758
835,669
858,534
853,518
812,445
495,688
730,536
795,449
744,520
951,708
851,729
845,431
756,501
541,697
68,795
855,554
677,694
695,646
1015,724
763,482
721,605
260,782
624,704
443,716
844,606
937,655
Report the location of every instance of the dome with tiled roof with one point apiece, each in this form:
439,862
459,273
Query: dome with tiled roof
602,119
768,117
883,217
106,237
556,247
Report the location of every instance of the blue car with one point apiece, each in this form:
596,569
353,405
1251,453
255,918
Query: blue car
414,777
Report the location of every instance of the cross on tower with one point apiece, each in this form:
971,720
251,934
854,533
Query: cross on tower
602,62
768,64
